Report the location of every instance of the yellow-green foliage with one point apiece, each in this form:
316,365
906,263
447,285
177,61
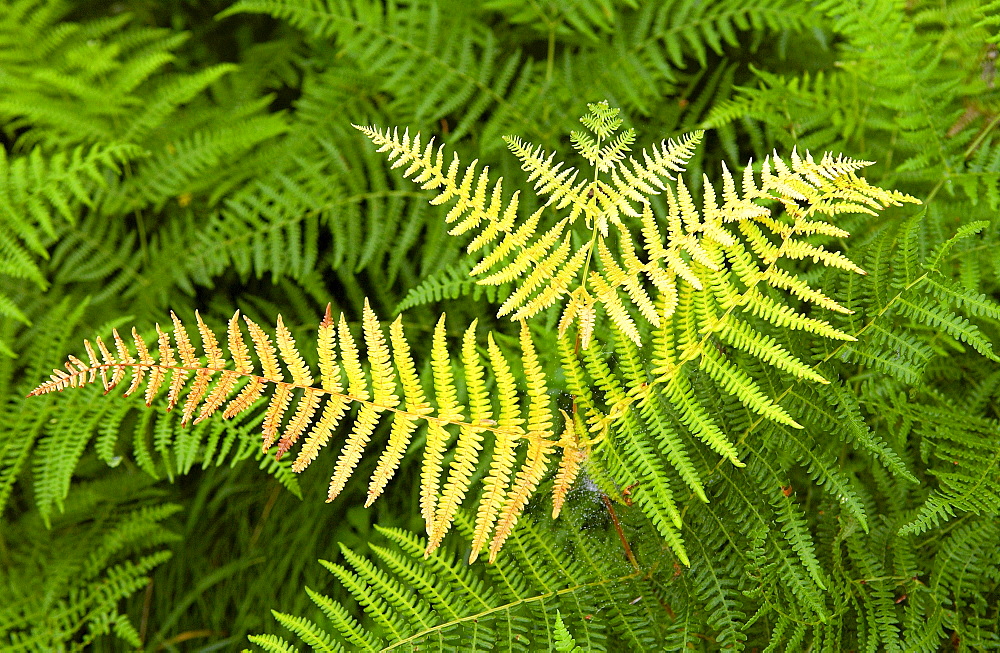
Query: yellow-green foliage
603,265
320,407
699,280
748,444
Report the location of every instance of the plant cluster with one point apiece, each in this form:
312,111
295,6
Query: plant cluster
739,327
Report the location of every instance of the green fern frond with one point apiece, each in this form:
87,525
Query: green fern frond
564,642
496,606
967,469
272,644
186,167
308,632
70,583
464,70
451,282
40,193
955,598
92,82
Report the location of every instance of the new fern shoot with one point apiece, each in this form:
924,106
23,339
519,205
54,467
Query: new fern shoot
670,292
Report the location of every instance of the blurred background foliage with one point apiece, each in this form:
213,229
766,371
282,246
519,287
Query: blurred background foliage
177,155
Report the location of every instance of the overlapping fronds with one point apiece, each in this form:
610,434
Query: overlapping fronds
441,604
38,194
71,581
431,62
609,268
770,449
701,323
721,278
113,85
99,81
299,406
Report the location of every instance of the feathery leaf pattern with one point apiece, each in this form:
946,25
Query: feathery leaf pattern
608,268
695,282
300,408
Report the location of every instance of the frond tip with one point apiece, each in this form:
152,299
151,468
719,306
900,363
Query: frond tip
298,407
620,258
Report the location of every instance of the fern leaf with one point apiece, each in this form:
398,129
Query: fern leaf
272,644
403,426
308,631
497,481
469,442
547,264
564,642
345,623
954,325
735,381
203,384
569,464
741,335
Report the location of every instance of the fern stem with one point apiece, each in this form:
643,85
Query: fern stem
618,529
593,228
979,139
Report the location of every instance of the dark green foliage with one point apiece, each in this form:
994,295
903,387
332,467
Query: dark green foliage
181,155
64,581
443,603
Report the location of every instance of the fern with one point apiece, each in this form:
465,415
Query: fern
67,584
468,76
37,193
318,408
778,453
540,259
438,603
450,283
564,641
690,279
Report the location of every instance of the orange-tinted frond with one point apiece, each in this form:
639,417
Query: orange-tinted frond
569,465
312,411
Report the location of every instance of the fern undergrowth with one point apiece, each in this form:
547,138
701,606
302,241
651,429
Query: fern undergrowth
713,367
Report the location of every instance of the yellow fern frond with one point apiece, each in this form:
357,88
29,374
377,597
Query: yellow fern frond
517,419
469,441
608,297
123,352
383,393
156,374
290,355
512,241
528,257
179,374
544,269
627,278
403,425
555,288
504,449
548,179
437,436
536,461
229,378
569,465
336,405
546,264
590,274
